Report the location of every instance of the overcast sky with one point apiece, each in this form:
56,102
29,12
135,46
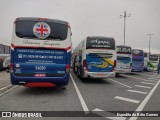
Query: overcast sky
90,17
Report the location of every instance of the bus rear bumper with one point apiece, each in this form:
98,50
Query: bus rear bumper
122,71
54,80
99,74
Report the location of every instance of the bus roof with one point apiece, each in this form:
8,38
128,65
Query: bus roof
123,46
137,49
40,19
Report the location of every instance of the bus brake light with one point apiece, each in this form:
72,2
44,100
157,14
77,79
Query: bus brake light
11,67
40,75
114,67
1,59
67,68
85,65
130,67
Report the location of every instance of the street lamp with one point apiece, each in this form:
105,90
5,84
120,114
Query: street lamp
150,36
125,16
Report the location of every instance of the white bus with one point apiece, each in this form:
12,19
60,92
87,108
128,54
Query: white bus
124,59
95,57
146,61
40,52
153,62
4,53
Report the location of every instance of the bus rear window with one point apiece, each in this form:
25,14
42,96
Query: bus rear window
153,57
123,58
100,43
137,53
24,29
123,50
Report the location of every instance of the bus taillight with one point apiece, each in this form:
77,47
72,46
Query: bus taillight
67,68
42,18
130,67
114,67
85,65
142,64
1,59
11,67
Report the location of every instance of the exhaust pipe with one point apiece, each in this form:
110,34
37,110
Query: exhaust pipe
22,83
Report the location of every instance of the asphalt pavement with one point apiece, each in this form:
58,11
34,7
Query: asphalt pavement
138,91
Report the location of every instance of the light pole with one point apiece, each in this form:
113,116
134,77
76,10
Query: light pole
150,37
125,16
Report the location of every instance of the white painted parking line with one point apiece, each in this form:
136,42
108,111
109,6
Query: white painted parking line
148,83
127,99
136,78
154,78
5,87
144,102
143,86
84,106
152,81
135,91
119,83
5,92
98,112
143,74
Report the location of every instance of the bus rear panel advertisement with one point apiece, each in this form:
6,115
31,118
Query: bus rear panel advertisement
41,52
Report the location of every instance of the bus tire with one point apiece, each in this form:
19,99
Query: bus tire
78,72
116,75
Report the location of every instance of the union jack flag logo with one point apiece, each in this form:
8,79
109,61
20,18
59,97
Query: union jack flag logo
41,30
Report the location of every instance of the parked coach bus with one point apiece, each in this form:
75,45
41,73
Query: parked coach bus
40,52
4,53
137,60
95,57
153,62
146,62
124,59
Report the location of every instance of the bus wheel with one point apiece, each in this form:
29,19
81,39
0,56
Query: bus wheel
117,75
78,72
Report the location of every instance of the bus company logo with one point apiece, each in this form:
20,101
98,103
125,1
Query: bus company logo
123,50
100,42
41,30
136,52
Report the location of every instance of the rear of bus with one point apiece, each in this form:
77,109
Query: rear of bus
40,52
99,57
137,60
153,62
146,61
124,59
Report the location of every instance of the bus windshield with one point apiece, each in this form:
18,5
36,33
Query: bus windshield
24,29
100,43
